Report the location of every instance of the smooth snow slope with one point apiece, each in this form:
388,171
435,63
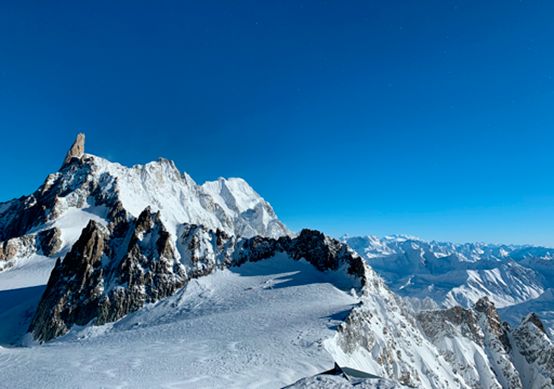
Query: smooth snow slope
260,325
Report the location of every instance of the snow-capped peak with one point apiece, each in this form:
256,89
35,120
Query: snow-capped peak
230,205
87,187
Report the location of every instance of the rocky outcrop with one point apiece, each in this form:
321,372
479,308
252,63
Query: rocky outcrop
49,241
326,253
103,278
46,242
77,149
323,252
534,319
451,322
116,269
533,353
498,329
74,289
447,329
17,247
73,186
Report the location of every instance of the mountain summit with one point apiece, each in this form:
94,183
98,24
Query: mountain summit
88,187
76,150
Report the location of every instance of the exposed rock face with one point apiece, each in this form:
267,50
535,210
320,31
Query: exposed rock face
534,319
450,322
49,241
74,289
77,149
46,242
533,353
114,270
447,329
17,247
73,186
315,247
104,278
326,253
498,329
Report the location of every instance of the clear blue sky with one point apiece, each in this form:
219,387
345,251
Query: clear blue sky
432,118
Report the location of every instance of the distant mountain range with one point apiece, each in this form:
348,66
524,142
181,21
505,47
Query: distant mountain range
518,279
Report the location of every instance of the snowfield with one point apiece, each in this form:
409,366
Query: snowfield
237,328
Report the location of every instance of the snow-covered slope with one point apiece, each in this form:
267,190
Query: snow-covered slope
259,325
230,205
251,214
381,337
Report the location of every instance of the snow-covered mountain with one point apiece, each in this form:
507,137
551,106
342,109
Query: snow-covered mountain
88,187
460,274
115,276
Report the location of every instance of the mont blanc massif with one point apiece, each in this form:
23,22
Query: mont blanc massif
114,276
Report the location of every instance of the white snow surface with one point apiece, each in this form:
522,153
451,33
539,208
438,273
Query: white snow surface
261,325
230,205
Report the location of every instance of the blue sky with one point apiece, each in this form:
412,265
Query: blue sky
431,118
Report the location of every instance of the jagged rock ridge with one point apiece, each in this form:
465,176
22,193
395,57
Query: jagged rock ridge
114,270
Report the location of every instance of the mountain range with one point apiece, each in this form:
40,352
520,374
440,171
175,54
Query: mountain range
518,279
138,276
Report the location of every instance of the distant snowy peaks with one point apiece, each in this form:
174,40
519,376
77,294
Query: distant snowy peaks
458,274
77,149
401,237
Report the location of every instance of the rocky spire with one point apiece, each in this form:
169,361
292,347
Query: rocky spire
534,319
76,150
